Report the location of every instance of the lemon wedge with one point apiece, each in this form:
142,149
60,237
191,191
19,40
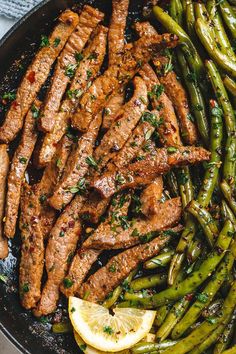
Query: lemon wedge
109,332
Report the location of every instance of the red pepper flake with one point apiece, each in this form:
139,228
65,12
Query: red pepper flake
31,77
213,103
31,249
15,104
189,297
71,223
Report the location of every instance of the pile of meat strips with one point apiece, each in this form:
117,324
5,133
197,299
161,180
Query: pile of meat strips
97,150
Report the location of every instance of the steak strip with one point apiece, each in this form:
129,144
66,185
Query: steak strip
101,283
125,121
116,35
117,76
88,69
112,108
4,163
51,176
150,197
18,167
88,20
77,166
36,75
173,89
145,171
114,236
32,248
59,253
85,258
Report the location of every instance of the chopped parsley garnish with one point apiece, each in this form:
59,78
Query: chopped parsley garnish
70,70
151,119
211,320
78,57
74,93
68,283
197,107
35,111
72,310
93,55
83,347
108,330
156,92
190,117
135,232
89,74
112,268
61,234
171,150
91,162
182,178
58,162
168,66
9,96
191,77
80,187
25,288
44,41
148,135
43,319
42,198
202,297
23,160
120,179
217,111
107,111
56,42
3,278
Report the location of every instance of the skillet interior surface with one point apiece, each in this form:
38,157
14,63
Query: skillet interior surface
16,51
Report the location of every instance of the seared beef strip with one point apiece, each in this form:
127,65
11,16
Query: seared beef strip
150,197
18,167
84,258
143,172
88,69
51,176
111,109
169,129
32,248
77,166
116,35
173,89
59,253
4,163
107,278
88,20
36,75
117,76
125,121
116,235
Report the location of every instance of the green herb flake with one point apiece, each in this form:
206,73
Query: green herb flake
89,74
202,297
68,283
70,70
78,57
3,278
23,160
35,111
211,320
58,162
151,119
156,92
42,198
56,42
93,55
83,347
91,162
72,310
25,288
106,111
9,96
44,41
112,268
72,94
61,234
108,330
171,149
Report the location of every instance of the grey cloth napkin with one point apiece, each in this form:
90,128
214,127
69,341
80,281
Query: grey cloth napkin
16,8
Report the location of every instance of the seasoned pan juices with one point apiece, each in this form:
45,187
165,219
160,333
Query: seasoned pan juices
134,216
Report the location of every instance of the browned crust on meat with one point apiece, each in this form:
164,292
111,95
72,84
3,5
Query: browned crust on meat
84,258
101,283
177,95
117,76
59,252
145,171
150,197
77,166
116,36
79,85
111,109
113,236
50,178
125,121
169,130
36,75
32,248
4,163
88,20
17,171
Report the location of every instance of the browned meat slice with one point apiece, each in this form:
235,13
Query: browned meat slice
150,197
126,120
173,89
4,163
116,34
169,130
107,278
32,248
116,76
143,172
88,69
77,166
36,75
178,96
85,258
111,109
50,178
118,235
18,167
59,253
88,20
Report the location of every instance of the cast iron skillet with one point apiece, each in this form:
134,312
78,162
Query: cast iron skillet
16,51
